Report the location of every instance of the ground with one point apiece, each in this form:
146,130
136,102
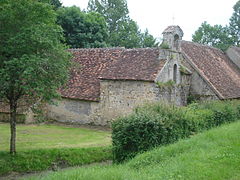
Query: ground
52,147
213,154
30,137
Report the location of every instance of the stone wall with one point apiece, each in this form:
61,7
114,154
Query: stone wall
171,37
5,117
71,111
166,74
118,98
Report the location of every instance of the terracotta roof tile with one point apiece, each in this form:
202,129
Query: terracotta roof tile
116,63
215,67
135,64
84,83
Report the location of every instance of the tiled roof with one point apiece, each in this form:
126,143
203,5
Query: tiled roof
135,64
215,67
84,83
114,64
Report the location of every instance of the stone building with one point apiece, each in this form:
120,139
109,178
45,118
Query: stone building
111,82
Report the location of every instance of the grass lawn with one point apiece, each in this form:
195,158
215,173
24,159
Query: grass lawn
44,147
212,155
30,137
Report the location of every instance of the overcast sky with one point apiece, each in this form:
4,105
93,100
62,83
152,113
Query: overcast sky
156,15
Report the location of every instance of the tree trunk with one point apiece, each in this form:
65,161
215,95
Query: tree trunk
13,120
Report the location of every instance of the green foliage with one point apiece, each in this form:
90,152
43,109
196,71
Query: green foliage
123,31
147,40
210,155
55,3
5,117
168,84
184,70
194,98
164,46
234,24
154,125
81,29
114,11
216,36
33,61
126,35
219,36
44,159
34,137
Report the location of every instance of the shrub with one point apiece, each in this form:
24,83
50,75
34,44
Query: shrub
148,127
158,124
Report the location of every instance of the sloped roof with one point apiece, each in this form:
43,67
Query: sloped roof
135,64
84,83
109,63
215,67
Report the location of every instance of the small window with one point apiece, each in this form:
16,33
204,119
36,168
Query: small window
175,73
176,37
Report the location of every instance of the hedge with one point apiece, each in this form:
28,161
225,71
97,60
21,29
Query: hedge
159,124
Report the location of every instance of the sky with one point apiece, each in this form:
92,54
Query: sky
156,15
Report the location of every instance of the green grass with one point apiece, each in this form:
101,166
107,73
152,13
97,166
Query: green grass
30,137
213,155
47,159
42,147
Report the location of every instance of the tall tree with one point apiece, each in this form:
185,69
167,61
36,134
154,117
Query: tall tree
147,40
55,3
81,29
114,11
123,31
34,64
126,35
216,36
234,24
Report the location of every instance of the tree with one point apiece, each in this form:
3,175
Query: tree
123,31
34,64
216,36
55,3
234,24
126,35
82,30
147,40
114,11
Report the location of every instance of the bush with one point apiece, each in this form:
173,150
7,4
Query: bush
158,124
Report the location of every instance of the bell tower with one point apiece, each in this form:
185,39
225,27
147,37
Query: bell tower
171,36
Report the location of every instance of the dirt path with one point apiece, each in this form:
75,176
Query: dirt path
17,176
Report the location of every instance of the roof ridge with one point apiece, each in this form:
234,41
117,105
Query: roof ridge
107,48
202,45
